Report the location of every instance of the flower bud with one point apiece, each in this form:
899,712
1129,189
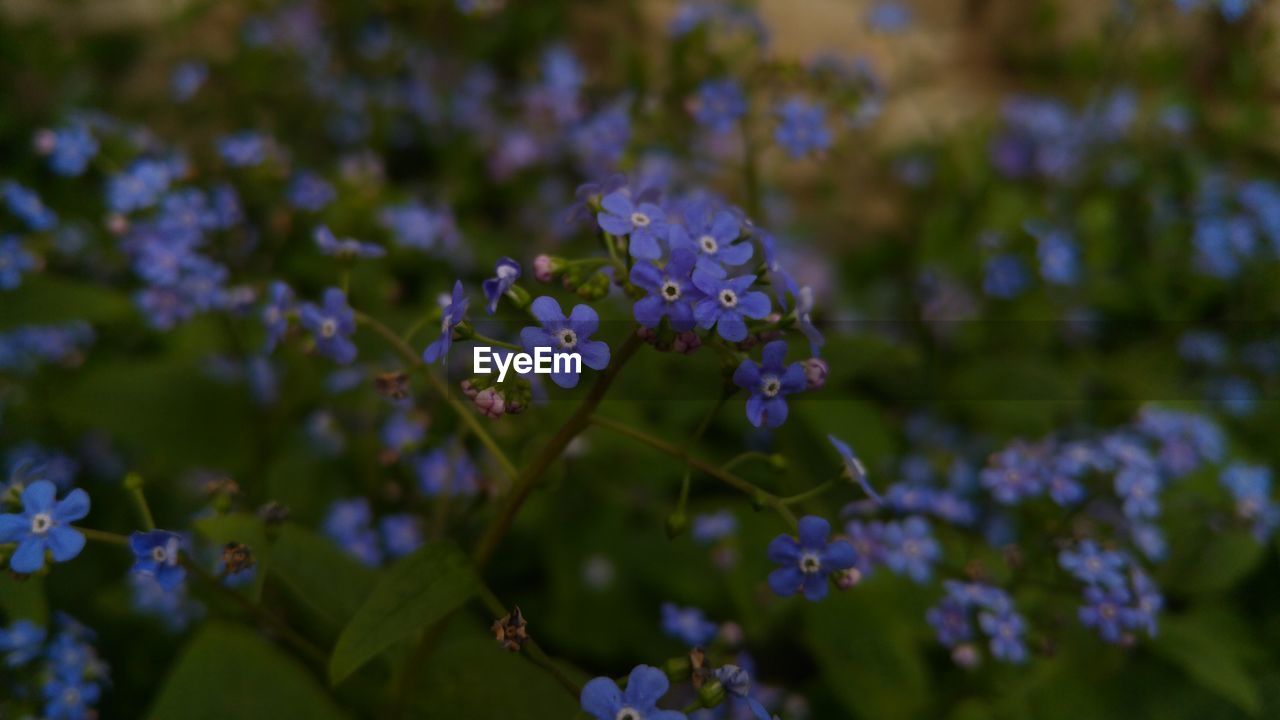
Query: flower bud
815,373
677,522
545,268
846,579
711,693
966,656
44,141
678,669
686,342
490,403
469,388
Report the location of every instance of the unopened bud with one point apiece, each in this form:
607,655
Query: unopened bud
490,403
686,342
846,579
511,630
545,268
676,524
711,693
966,656
815,373
44,141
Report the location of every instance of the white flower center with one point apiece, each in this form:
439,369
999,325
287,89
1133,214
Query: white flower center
328,328
670,291
41,523
708,244
639,219
770,386
71,696
568,338
159,554
506,272
728,298
809,563
911,548
627,713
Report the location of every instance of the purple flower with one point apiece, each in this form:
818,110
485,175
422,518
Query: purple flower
244,149
27,206
802,128
349,525
769,382
506,273
275,313
44,525
401,534
186,80
727,302
1093,565
139,187
346,248
73,147
566,335
671,291
853,467
806,563
453,314
332,324
644,222
689,625
1138,486
440,473
155,553
950,620
646,685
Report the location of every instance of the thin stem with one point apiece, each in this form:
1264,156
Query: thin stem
103,536
464,413
686,482
491,341
737,460
532,474
745,486
810,494
133,482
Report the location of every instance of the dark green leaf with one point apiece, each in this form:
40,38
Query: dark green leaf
320,574
1210,654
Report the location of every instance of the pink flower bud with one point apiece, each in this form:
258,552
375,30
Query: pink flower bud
966,656
468,389
686,342
490,403
542,268
815,373
44,141
846,579
117,224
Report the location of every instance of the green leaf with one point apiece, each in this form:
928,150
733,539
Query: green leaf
48,299
415,592
247,530
1221,563
471,676
227,671
1209,652
322,576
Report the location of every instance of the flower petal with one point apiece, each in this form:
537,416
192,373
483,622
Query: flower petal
65,543
39,497
747,375
754,305
29,557
813,532
547,310
645,687
784,550
73,507
731,327
617,203
815,587
774,355
584,320
839,555
786,581
602,698
595,354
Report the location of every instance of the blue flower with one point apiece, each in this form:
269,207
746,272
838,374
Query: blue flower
646,685
453,314
21,642
244,149
403,430
1139,487
645,223
807,563
1005,277
1105,611
710,527
346,248
853,467
332,325
1057,252
139,187
186,80
14,261
349,524
1148,602
415,226
769,382
1250,488
1016,474
802,128
310,192
43,525
275,313
70,698
737,682
910,548
1005,630
719,104
950,620
442,473
804,320
566,335
26,205
712,241
689,625
73,147
1093,565
671,291
156,553
506,273
889,17
727,302
401,534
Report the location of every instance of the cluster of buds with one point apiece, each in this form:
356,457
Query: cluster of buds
494,400
666,340
586,281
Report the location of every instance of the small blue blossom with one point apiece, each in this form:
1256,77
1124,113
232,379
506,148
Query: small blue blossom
15,260
1015,474
889,17
331,324
44,525
802,128
1139,486
1005,630
187,79
21,642
1093,565
1105,610
566,335
711,527
1005,277
853,467
1250,488
245,149
416,226
688,625
910,548
712,242
349,524
506,273
950,620
1057,252
345,248
70,698
644,223
26,205
727,301
452,315
156,553
139,187
808,562
719,104
310,192
737,682
275,313
403,430
769,382
646,685
671,291
72,148
401,534
443,473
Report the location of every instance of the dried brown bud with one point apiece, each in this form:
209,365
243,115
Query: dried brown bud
511,630
236,557
273,513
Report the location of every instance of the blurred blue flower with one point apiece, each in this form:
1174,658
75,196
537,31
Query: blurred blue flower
802,128
506,273
671,291
688,625
331,324
807,562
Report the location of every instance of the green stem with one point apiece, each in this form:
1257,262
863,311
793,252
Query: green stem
695,437
737,460
485,339
745,486
810,494
464,413
532,474
133,482
103,536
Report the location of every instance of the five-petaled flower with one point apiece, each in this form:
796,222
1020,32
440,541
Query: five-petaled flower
332,324
727,302
566,335
644,222
155,553
769,382
451,316
43,525
646,685
671,291
808,561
